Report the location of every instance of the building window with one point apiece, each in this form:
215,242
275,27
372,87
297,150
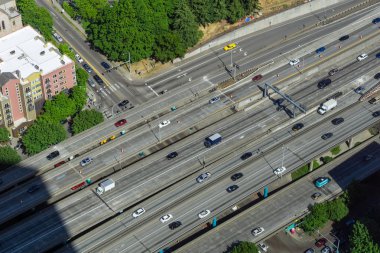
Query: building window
54,76
47,80
56,92
3,23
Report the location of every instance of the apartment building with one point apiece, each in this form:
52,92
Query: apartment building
10,18
31,71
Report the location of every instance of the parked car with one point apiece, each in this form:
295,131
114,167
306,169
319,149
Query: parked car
326,249
297,126
18,146
327,136
311,250
87,68
229,47
263,246
138,212
98,79
79,59
91,83
337,121
57,37
333,72
232,188
203,177
322,181
164,123
53,155
316,195
236,176
120,122
105,65
33,188
257,231
320,242
257,78
175,225
203,214
166,217
172,155
86,161
246,155
345,37
362,57
294,62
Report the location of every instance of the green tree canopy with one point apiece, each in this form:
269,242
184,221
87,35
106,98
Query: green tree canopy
245,247
337,209
316,218
59,108
236,11
64,49
41,135
8,157
82,77
85,120
4,134
79,97
168,46
202,10
361,241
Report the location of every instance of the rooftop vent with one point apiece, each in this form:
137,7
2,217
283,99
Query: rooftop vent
12,52
63,62
42,53
36,67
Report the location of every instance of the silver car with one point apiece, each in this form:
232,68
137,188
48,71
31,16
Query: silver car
203,177
86,161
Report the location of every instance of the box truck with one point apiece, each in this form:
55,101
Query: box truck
212,140
327,106
105,186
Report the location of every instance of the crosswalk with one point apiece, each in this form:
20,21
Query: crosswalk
107,90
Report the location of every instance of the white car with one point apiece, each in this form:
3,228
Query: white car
203,214
79,59
57,37
166,217
257,231
86,161
279,170
362,57
164,123
294,62
138,212
214,100
203,177
263,246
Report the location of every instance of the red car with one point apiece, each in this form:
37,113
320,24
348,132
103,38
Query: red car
321,242
120,122
257,78
59,164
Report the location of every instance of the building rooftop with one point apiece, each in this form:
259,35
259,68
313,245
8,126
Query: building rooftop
24,52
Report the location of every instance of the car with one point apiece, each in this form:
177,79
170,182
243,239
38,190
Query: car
164,123
337,121
229,47
57,37
33,188
246,155
163,92
320,50
279,170
345,37
53,155
59,164
85,161
87,68
91,83
105,65
376,114
257,78
232,188
257,231
326,136
263,246
378,55
120,122
374,100
333,72
297,127
324,83
214,100
138,212
172,155
359,89
203,214
175,225
326,249
321,181
98,79
123,103
311,250
376,20
362,57
236,176
294,62
166,217
18,146
377,76
79,59
320,242
316,195
203,177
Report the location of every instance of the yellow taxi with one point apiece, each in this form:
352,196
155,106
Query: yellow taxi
103,142
112,137
229,47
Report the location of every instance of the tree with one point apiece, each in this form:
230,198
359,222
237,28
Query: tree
82,77
69,9
79,97
236,11
245,247
64,49
41,135
337,209
335,150
251,6
4,134
316,218
85,120
361,241
185,25
8,157
202,11
168,46
59,108
219,10
89,9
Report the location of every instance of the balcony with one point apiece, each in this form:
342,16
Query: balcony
30,107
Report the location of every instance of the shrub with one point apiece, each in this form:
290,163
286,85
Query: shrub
335,150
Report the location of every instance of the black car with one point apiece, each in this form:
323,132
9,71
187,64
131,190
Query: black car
232,188
333,72
33,188
123,103
53,155
376,114
105,65
297,126
172,155
87,68
377,76
345,37
98,80
326,136
324,83
236,176
316,195
246,155
337,121
175,225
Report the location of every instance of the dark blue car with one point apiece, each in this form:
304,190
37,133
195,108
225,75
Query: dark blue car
378,55
320,50
376,20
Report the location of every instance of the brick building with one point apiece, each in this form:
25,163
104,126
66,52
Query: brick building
31,71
